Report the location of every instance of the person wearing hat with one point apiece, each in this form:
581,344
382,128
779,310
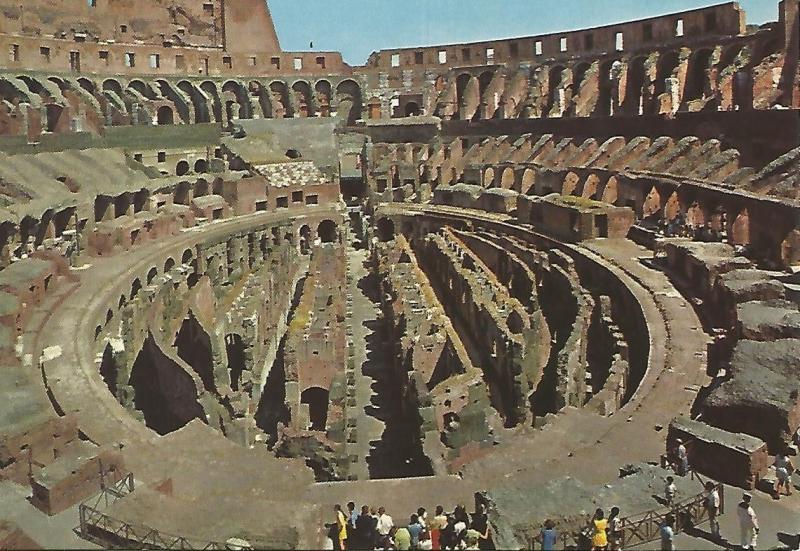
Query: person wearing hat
748,522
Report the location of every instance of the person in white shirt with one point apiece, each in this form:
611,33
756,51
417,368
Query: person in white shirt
712,504
670,490
683,458
748,523
783,471
384,528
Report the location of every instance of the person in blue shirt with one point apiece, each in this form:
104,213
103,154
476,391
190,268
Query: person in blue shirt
549,536
415,529
668,534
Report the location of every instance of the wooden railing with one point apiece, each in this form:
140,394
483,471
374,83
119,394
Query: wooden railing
644,527
110,533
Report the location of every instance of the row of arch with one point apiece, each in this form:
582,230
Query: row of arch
637,82
162,101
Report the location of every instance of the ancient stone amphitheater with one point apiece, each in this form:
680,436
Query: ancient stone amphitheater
239,285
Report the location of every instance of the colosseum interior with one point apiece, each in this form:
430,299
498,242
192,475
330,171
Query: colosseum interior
240,285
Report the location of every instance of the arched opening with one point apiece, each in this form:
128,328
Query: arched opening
305,239
164,115
168,265
327,231
303,102
234,349
279,97
136,286
412,109
605,82
151,275
322,91
348,95
109,369
200,166
462,82
697,75
554,92
571,182
578,76
182,168
590,186
293,154
488,178
610,191
385,229
652,204
634,87
53,113
187,256
194,347
317,400
508,178
528,180
739,232
164,393
667,65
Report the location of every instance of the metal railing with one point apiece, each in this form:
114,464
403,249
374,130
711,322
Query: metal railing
110,533
645,527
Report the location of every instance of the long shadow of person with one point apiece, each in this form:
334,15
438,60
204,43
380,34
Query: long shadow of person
696,532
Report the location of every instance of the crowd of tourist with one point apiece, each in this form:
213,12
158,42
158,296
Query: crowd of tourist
368,529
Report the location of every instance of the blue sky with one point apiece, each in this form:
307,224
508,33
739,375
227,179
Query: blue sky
358,27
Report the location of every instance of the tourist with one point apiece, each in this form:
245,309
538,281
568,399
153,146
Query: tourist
437,525
712,505
422,516
365,531
415,529
460,514
549,536
447,536
683,458
614,530
783,471
599,526
667,533
480,523
352,514
670,490
340,542
376,537
384,528
748,523
402,539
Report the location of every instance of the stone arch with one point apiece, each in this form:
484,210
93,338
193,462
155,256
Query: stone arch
695,215
605,85
164,115
136,286
464,81
151,275
327,231
488,177
143,88
739,229
169,264
611,191
412,109
193,345
652,203
199,101
53,114
279,96
590,186
200,166
210,89
304,239
187,256
240,97
528,180
634,86
570,183
697,74
303,99
667,64
508,178
179,99
182,167
348,96
554,80
672,207
323,93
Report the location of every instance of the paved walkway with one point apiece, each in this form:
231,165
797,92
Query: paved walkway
50,532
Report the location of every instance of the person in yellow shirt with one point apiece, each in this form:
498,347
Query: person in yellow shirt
340,543
599,527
